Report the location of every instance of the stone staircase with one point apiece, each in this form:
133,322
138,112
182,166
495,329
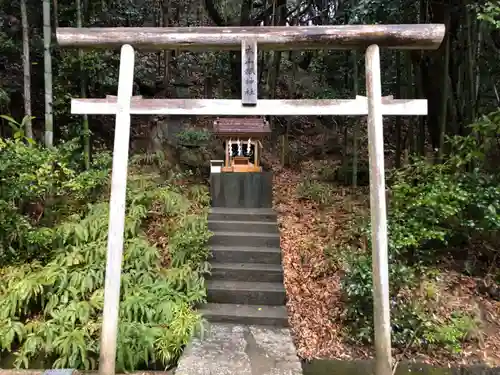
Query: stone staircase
246,284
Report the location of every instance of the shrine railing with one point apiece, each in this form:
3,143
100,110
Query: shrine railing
248,39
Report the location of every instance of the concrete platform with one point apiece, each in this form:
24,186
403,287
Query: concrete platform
241,350
242,190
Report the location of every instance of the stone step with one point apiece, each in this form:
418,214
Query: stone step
243,226
276,316
246,254
246,292
247,272
245,239
241,349
242,214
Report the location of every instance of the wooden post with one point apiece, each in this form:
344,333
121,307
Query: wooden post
249,82
117,214
256,153
226,158
380,260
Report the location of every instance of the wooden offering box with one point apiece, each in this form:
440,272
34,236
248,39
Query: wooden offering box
241,164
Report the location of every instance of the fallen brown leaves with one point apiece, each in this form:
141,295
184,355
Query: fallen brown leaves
313,290
313,294
155,231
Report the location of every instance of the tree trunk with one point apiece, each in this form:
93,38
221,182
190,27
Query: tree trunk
355,132
470,68
26,69
168,53
83,92
47,36
444,96
478,68
55,14
397,163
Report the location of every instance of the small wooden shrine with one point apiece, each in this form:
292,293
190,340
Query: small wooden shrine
242,142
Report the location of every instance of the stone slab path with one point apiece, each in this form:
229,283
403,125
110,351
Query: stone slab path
230,349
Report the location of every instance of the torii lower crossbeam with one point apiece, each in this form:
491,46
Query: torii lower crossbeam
264,107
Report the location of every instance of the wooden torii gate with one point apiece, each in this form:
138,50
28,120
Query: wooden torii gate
247,39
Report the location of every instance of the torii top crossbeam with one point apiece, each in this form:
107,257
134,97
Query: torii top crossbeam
419,36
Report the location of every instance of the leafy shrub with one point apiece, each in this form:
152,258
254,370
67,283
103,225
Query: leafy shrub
431,206
194,137
38,185
188,242
357,289
19,128
157,158
54,310
489,12
318,192
199,194
413,321
195,150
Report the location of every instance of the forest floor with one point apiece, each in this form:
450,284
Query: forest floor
315,307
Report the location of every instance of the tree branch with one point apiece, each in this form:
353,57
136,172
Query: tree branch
264,14
301,13
214,14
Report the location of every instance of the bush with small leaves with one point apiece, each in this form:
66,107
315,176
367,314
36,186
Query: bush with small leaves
431,206
38,187
194,137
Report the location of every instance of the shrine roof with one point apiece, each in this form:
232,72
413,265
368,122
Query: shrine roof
241,126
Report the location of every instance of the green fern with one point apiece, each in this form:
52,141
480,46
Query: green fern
55,308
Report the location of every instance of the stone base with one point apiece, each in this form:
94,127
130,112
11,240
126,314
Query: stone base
242,190
241,350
